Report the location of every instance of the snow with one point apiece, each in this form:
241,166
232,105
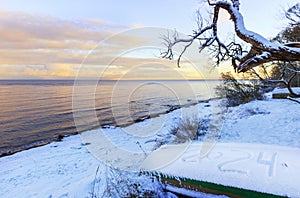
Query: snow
276,121
68,168
258,167
240,26
285,90
254,37
192,193
258,140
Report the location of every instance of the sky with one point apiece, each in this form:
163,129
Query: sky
64,39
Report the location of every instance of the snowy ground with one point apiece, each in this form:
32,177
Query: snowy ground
258,167
285,90
70,168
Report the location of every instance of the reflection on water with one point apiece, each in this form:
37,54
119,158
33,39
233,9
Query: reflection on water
35,111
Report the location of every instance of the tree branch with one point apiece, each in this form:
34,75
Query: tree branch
262,50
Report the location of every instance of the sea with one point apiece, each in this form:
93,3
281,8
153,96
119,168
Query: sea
36,112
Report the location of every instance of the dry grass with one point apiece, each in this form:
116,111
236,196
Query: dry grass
187,129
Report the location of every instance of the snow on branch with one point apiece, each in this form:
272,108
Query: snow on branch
262,50
293,14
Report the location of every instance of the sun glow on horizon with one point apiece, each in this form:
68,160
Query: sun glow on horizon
44,47
55,44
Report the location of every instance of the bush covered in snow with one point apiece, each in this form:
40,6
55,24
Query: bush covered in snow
119,183
239,92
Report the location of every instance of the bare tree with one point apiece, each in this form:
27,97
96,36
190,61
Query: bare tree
261,49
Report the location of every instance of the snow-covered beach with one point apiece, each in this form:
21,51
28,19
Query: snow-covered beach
70,168
150,99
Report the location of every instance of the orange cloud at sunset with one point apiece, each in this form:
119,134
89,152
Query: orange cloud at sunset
44,47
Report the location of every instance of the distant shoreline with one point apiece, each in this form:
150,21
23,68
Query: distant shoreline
112,80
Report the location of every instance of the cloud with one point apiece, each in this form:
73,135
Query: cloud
45,27
28,41
41,46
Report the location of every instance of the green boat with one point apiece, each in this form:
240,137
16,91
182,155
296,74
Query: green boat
190,188
230,169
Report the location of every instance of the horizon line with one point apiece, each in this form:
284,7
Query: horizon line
36,79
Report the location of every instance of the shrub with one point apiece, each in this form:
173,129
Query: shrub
239,92
119,183
188,129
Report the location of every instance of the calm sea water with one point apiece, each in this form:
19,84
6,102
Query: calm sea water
35,112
